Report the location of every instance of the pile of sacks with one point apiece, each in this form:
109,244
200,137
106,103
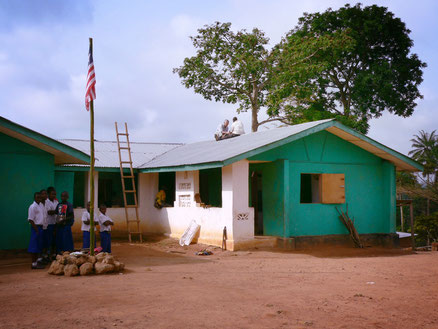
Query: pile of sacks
72,264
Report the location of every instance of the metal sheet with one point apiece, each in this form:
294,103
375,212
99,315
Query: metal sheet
107,155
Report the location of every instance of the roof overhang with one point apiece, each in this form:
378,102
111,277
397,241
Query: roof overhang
63,153
200,166
401,162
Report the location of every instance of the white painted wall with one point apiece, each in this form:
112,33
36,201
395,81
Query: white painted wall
234,214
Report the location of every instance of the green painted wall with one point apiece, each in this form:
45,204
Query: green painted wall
369,187
24,170
80,180
64,181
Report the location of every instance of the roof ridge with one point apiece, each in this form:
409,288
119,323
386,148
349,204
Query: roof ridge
108,141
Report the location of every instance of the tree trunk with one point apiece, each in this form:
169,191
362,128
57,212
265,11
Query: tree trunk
254,106
254,121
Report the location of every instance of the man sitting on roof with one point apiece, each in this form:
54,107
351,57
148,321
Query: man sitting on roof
236,129
221,130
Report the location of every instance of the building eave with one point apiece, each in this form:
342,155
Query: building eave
62,152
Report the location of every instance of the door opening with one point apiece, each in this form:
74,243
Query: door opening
257,201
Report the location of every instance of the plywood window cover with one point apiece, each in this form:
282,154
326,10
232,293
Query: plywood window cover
332,188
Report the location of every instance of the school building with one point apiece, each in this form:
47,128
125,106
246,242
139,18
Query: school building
27,164
281,184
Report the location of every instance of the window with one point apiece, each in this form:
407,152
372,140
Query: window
166,181
322,188
210,186
310,188
110,190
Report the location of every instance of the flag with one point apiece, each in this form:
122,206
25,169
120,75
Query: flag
90,93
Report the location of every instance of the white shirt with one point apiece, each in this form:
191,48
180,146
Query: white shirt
51,205
43,209
85,218
36,213
237,128
221,129
102,219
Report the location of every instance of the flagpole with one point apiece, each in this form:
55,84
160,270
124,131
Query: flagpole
92,233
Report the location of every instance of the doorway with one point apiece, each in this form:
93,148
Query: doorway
257,201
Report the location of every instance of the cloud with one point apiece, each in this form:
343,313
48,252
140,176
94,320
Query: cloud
43,60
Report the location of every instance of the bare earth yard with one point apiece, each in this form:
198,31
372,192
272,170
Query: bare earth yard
167,286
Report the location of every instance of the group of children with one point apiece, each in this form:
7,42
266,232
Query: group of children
51,222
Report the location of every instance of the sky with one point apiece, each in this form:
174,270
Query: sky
44,55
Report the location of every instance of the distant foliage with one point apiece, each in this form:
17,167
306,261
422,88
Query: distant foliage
427,227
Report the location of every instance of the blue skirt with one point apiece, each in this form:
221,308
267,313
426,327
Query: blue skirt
86,240
64,239
48,236
36,240
105,241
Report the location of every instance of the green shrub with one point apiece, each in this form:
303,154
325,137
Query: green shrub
427,227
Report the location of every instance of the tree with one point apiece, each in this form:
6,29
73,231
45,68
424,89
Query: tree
425,151
378,73
240,68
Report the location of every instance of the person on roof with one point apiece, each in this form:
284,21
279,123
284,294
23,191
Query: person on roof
236,128
221,130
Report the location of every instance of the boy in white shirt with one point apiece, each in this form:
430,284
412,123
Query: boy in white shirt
50,206
86,228
105,224
36,220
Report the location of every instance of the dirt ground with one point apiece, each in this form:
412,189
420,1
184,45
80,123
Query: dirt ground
167,286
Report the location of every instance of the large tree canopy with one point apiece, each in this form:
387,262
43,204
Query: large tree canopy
239,68
377,73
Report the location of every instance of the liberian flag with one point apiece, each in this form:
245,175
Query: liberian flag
90,93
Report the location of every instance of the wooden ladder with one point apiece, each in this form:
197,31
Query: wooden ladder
132,191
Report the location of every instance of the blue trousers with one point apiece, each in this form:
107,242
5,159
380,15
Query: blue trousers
105,241
48,237
86,240
36,240
64,238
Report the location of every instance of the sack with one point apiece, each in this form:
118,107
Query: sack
189,234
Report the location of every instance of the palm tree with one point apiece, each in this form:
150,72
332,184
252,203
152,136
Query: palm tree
425,151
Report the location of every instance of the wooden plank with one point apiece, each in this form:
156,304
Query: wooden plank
332,188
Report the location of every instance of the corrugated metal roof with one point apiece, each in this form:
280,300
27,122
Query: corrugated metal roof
218,151
151,157
107,155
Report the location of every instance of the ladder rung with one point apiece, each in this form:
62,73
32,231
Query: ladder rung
125,134
131,206
124,148
129,191
125,161
127,176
